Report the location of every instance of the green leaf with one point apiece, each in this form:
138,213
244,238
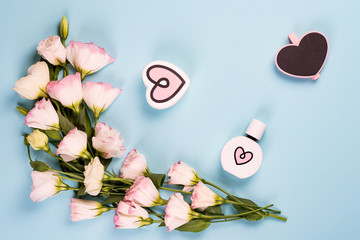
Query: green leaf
195,225
157,179
55,143
22,110
81,191
39,166
162,224
243,200
53,70
84,122
65,124
213,210
105,162
53,134
113,199
241,209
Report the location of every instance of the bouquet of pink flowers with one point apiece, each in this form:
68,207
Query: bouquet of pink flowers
65,125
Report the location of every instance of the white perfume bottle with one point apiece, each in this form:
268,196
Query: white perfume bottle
242,156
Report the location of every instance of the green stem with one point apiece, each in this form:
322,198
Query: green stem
249,206
90,150
215,186
234,215
112,193
53,155
240,203
28,150
66,70
161,216
278,217
126,181
157,221
69,174
226,220
76,180
66,163
175,190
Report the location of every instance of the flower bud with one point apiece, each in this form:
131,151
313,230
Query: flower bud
64,28
38,140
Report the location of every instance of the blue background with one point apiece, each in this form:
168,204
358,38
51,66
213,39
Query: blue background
311,161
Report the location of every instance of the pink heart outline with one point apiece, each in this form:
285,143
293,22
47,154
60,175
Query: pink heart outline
243,157
164,88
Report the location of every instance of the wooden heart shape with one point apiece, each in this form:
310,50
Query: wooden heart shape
303,58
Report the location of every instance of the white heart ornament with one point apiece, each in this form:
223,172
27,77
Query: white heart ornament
166,84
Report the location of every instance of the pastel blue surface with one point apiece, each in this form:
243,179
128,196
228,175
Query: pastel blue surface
311,160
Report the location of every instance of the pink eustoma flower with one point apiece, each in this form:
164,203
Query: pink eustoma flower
45,184
85,209
131,215
43,116
182,174
68,91
203,197
52,50
144,193
107,141
99,96
73,145
87,58
178,212
134,165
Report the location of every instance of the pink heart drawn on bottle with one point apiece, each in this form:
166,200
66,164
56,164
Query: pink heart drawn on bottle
242,157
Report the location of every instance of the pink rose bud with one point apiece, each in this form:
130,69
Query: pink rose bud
52,50
178,212
85,209
134,166
94,173
43,116
99,96
182,174
87,58
68,91
73,145
107,141
203,197
131,215
34,84
144,193
45,184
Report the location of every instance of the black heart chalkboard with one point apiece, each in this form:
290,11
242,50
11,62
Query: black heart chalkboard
304,58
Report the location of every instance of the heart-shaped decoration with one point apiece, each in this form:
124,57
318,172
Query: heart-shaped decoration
303,58
166,84
241,157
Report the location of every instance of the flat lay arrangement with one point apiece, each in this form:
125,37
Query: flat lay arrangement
179,119
64,116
